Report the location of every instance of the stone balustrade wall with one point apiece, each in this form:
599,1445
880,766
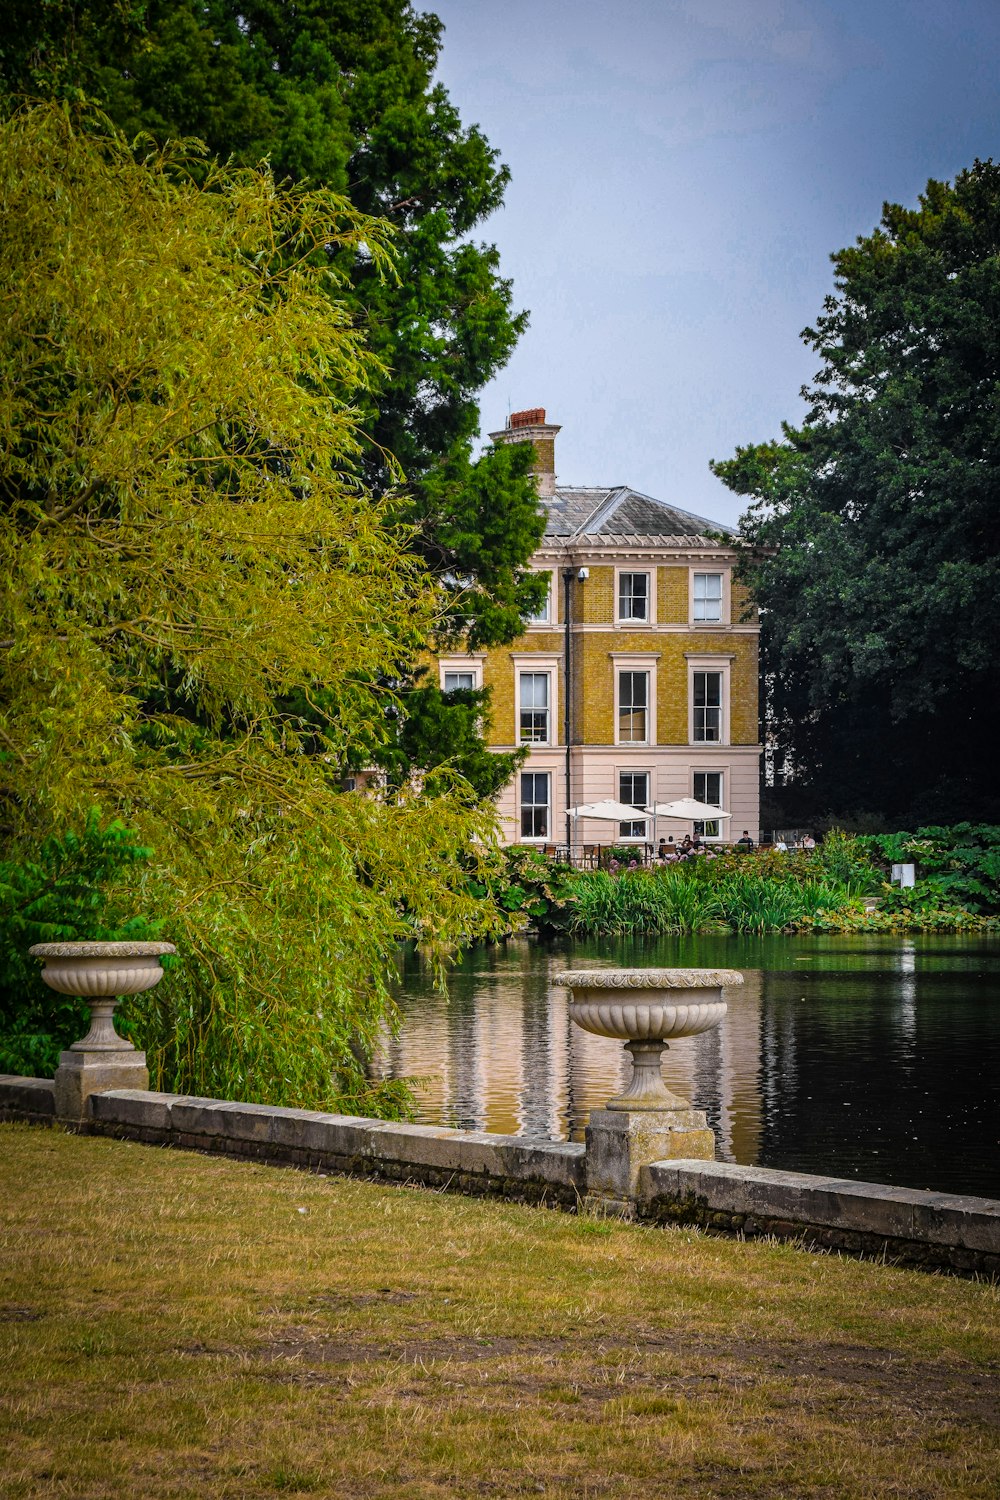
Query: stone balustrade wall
935,1230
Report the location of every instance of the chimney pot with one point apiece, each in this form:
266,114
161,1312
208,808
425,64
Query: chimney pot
534,417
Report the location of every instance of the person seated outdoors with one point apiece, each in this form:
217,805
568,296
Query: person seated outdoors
745,843
808,843
780,847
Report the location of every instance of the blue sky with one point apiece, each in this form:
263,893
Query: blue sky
682,171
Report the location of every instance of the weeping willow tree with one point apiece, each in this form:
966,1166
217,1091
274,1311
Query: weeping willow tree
186,553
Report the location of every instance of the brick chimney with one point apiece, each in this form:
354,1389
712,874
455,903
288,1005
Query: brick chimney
531,427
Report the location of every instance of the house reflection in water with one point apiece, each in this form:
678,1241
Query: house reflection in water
874,1057
500,1053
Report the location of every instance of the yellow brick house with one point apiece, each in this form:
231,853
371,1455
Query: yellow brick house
637,681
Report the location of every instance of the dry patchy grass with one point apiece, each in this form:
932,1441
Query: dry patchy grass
175,1325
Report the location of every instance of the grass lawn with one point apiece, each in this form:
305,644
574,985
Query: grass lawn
177,1325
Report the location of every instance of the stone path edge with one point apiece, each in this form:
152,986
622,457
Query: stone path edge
933,1230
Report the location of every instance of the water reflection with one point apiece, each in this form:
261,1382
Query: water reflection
868,1057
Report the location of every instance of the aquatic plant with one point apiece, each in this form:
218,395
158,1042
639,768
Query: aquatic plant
640,901
755,905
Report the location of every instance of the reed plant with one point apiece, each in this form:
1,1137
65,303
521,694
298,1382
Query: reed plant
641,901
695,897
755,905
815,896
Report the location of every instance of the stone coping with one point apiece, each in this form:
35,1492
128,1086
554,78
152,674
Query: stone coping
765,1196
26,1098
648,979
932,1229
101,950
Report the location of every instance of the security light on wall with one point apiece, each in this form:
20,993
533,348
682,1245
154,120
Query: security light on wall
583,574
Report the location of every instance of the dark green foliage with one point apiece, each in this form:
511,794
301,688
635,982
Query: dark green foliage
440,734
54,48
958,865
846,861
873,532
487,524
533,890
754,893
63,893
443,734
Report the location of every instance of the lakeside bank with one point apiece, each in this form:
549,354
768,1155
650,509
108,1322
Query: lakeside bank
842,885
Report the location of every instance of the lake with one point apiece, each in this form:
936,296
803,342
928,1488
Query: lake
870,1057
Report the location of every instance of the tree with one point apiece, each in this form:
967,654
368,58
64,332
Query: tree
442,732
185,542
340,93
873,538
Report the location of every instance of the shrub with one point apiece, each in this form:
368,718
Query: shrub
529,888
845,860
760,892
961,862
63,893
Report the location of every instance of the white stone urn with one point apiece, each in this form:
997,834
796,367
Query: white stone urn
647,1008
101,973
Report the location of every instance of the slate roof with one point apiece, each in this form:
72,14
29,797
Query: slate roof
621,514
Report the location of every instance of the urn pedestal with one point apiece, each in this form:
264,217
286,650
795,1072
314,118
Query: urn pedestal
646,1123
101,973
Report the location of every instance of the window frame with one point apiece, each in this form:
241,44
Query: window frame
630,570
522,807
634,673
717,710
725,617
460,688
550,621
710,662
534,710
468,663
643,836
701,826
542,662
636,661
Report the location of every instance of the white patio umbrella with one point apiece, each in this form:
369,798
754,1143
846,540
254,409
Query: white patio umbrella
687,810
611,812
